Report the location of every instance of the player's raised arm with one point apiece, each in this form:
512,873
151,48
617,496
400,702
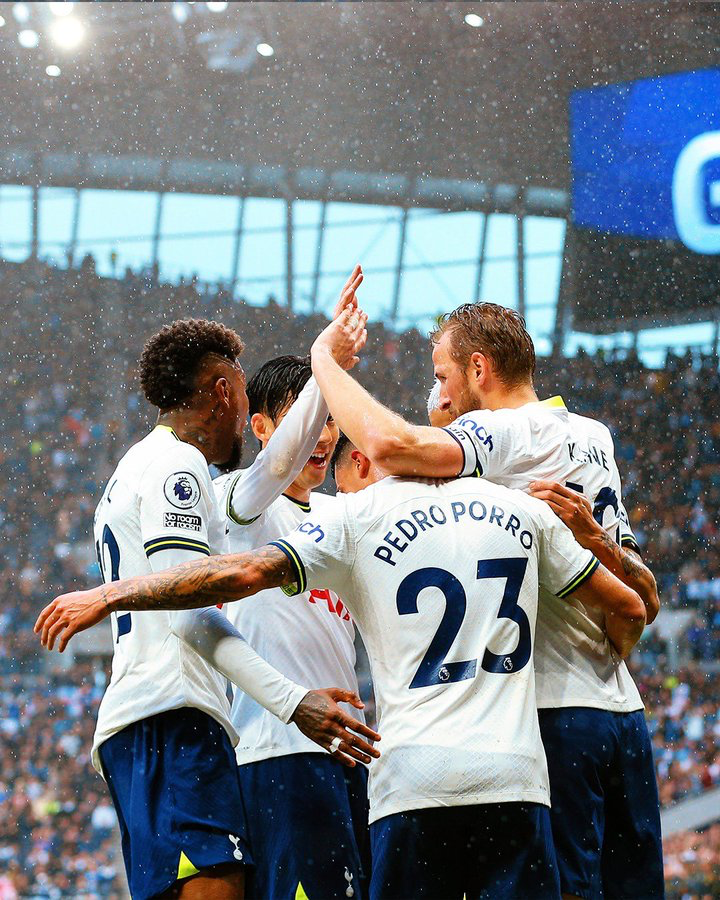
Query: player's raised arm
282,459
395,445
575,511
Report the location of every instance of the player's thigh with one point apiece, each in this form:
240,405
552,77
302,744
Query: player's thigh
632,851
578,745
308,820
509,852
415,854
174,782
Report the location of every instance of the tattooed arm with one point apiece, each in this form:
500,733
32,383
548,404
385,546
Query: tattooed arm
575,511
211,580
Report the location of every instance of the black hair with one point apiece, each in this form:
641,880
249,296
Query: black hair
343,446
171,358
277,383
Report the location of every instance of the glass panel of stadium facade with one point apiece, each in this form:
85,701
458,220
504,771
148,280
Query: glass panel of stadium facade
417,264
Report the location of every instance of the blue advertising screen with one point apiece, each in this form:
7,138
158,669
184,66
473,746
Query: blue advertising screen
645,158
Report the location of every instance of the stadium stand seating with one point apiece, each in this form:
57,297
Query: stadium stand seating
69,344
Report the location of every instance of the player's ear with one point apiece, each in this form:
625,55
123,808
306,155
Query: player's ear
361,462
478,368
261,426
221,390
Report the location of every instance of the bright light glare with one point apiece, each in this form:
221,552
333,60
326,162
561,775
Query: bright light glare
21,12
61,9
2,21
474,20
52,71
68,33
264,49
29,39
180,12
216,7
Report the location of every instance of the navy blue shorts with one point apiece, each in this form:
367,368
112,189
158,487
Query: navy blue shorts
493,850
173,780
308,827
605,810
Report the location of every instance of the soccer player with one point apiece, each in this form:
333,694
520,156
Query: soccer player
307,812
164,739
442,580
605,812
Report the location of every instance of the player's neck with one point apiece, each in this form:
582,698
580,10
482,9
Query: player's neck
190,427
298,493
504,398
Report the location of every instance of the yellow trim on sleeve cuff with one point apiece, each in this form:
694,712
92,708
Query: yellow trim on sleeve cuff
580,578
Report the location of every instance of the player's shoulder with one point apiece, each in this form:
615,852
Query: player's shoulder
592,428
161,455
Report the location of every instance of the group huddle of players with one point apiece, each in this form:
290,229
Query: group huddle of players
490,568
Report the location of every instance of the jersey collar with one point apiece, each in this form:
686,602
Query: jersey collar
166,428
556,402
305,507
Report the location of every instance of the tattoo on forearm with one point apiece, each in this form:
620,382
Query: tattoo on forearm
630,566
215,579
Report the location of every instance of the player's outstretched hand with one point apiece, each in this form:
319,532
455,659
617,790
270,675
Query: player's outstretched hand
347,294
343,338
574,509
320,718
68,614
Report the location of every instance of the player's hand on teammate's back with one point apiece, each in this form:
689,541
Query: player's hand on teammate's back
320,718
68,614
572,508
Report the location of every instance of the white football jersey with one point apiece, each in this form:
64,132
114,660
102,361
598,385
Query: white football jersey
158,510
442,579
309,638
575,663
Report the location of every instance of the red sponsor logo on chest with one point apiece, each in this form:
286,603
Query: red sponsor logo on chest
334,606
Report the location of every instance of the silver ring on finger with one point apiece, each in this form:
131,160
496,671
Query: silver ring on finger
334,745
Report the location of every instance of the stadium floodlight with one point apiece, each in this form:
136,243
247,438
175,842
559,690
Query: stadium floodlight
28,38
474,20
52,71
61,9
68,33
180,12
21,12
216,7
265,50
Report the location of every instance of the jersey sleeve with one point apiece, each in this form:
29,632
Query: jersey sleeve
321,549
280,462
176,503
563,565
626,536
485,439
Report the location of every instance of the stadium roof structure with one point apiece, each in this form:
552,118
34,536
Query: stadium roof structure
402,103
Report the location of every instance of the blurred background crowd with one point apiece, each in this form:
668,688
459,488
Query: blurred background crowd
71,406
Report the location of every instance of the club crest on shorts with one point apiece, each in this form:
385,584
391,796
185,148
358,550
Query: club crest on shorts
349,890
237,852
182,490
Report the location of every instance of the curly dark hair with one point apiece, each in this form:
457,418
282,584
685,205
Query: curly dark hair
171,358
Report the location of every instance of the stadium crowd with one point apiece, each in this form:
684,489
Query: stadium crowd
69,346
